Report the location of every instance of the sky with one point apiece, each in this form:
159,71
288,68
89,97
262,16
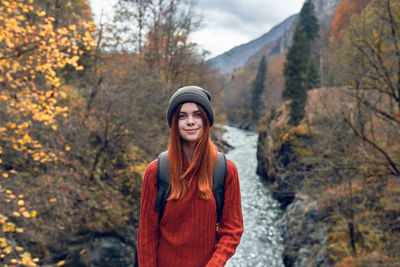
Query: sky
227,23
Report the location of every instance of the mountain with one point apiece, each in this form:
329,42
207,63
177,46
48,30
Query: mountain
235,58
273,42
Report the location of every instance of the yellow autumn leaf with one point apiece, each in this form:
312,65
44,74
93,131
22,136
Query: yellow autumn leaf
60,263
7,250
21,202
26,259
41,13
63,94
3,242
10,44
8,227
26,214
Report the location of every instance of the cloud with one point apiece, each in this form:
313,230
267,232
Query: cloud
228,23
252,11
218,40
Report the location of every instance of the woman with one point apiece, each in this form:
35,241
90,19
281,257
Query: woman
187,233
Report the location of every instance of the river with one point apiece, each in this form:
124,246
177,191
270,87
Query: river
261,243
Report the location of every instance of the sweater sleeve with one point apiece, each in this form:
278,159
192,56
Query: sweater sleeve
149,233
231,225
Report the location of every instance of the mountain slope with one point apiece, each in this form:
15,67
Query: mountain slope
272,42
235,58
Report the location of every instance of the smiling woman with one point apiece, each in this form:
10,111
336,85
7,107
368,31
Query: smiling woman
187,233
190,123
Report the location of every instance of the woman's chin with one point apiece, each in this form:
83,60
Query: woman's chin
190,139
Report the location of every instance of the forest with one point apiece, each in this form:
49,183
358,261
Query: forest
333,148
82,113
78,112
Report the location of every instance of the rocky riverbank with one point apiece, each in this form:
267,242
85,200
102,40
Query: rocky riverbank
340,209
279,152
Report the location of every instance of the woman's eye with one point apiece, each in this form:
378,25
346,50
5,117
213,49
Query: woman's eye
182,116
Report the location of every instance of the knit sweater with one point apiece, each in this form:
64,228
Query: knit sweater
186,234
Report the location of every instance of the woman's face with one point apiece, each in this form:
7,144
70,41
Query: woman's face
190,123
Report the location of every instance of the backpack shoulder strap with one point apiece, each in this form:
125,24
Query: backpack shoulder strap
162,182
218,187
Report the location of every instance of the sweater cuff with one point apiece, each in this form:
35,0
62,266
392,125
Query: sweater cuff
216,261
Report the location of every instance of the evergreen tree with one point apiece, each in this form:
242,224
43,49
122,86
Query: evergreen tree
295,76
300,70
312,74
257,88
307,20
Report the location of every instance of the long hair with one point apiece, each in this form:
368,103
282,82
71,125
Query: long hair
203,162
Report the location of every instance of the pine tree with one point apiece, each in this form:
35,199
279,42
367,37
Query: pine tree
300,70
307,20
295,76
312,74
257,88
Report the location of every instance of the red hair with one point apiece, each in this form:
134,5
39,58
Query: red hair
204,159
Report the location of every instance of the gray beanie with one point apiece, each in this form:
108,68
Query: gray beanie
193,94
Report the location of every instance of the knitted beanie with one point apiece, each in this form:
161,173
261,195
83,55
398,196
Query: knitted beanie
193,94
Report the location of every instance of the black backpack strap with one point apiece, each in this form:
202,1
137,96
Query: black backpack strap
218,188
162,183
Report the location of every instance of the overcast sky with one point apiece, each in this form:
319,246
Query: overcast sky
228,23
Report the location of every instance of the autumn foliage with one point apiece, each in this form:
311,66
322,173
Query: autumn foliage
346,10
370,56
79,121
32,53
345,154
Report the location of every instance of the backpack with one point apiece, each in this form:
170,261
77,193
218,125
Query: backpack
218,184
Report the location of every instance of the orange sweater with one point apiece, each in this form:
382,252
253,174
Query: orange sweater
186,234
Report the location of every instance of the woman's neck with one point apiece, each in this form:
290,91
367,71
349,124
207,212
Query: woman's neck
188,150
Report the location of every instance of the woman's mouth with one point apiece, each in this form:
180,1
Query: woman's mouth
191,131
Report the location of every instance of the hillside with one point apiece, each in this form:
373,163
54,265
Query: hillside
79,124
336,189
235,58
274,50
336,174
273,42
